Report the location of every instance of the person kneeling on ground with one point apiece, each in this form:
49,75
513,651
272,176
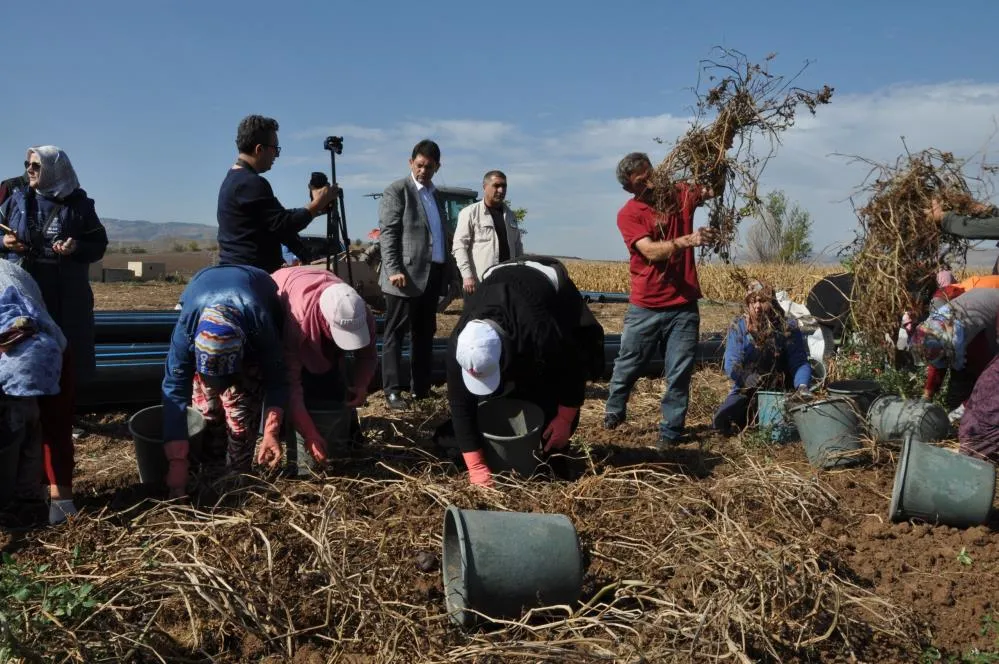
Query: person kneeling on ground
226,354
764,350
31,351
324,319
979,428
525,334
960,336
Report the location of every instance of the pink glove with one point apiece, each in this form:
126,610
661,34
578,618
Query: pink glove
317,448
270,449
560,429
478,471
176,477
314,441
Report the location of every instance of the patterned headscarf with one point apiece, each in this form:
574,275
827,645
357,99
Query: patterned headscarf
57,178
218,342
939,340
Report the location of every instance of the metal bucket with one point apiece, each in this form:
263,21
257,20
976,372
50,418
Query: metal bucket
891,418
501,563
939,486
829,430
512,431
146,427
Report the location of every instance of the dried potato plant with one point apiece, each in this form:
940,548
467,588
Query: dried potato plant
899,248
747,103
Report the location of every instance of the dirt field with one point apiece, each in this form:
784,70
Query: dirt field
719,550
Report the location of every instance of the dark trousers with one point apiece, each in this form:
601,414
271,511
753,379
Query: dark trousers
418,316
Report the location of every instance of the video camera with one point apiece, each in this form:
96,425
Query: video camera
334,144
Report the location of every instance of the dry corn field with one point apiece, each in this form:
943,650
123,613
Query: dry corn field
716,280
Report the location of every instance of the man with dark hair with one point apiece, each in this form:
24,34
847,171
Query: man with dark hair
10,185
662,312
414,244
252,222
487,232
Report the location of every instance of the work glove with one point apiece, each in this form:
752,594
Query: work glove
356,397
559,429
176,477
315,444
751,381
270,449
478,471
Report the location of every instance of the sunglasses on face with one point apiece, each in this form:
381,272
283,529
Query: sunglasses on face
277,149
32,166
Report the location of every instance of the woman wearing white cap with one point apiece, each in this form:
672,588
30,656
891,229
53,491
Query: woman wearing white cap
526,333
324,318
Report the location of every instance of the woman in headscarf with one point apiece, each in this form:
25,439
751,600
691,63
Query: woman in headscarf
226,361
764,350
961,336
324,319
54,233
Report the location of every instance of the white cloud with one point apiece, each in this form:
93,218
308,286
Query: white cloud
566,178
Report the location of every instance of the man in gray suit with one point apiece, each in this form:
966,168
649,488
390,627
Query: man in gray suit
415,243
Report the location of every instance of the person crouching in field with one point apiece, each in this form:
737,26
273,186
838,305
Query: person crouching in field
324,319
226,355
524,334
764,350
31,350
960,335
979,429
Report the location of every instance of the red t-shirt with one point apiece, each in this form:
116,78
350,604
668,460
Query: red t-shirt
667,283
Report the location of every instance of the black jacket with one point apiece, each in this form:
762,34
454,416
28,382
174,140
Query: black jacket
552,343
253,224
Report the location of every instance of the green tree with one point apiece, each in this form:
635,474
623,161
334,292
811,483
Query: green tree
518,213
782,234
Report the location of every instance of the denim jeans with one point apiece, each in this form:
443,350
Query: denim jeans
673,332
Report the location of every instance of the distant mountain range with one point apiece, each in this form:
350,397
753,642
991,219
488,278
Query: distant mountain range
121,231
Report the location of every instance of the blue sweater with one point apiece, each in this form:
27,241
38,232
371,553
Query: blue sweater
742,357
252,222
254,294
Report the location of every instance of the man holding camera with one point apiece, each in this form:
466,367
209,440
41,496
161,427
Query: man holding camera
414,244
252,222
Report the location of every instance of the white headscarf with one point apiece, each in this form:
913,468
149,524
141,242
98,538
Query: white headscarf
57,178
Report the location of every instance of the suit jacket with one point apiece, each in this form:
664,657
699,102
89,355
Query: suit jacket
405,239
476,244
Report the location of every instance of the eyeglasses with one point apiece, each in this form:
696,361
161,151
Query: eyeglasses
277,149
32,166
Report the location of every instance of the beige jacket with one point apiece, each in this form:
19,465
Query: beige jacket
476,245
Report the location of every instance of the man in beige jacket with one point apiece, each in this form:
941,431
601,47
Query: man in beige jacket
487,232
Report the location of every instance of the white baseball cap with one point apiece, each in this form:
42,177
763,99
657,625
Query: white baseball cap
347,315
478,353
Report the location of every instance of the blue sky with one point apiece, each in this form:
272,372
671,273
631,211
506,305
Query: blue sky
145,97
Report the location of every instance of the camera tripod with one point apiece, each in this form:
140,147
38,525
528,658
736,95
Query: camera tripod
336,216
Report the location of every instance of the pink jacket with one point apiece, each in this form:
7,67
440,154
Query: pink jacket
308,343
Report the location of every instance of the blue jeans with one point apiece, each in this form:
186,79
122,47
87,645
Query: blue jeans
672,331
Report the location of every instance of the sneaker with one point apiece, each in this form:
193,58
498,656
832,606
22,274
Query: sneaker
665,443
612,421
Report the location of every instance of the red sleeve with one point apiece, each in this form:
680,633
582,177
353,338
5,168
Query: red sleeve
633,226
934,379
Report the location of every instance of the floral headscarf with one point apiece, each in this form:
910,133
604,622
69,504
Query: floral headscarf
57,178
939,340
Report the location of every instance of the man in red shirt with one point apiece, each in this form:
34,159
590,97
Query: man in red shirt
662,315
